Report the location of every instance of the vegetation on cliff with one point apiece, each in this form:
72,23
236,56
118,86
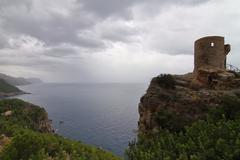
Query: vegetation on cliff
216,137
26,134
7,88
165,80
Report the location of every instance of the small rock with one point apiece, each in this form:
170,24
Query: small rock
7,113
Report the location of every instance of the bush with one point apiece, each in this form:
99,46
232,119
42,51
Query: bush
216,138
28,145
201,141
166,81
171,121
24,115
230,109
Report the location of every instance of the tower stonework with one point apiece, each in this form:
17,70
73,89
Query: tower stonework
210,52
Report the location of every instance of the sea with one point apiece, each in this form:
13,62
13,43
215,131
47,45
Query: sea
103,115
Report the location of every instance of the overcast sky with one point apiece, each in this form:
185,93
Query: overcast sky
110,40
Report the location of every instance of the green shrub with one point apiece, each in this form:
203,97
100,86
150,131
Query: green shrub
171,121
28,145
24,115
230,109
216,138
166,81
203,141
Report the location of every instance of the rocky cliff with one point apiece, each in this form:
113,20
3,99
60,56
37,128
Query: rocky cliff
24,114
184,98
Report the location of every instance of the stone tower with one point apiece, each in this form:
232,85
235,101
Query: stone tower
210,53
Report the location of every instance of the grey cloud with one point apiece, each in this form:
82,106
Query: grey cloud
15,3
119,33
173,45
3,41
144,28
178,2
45,62
107,8
54,29
60,52
121,36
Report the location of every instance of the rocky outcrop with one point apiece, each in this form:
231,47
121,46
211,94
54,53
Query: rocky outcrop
7,113
40,119
26,115
45,125
190,97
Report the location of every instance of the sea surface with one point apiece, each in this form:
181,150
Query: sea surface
104,115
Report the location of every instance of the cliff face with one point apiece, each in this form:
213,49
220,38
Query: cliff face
183,98
25,115
40,118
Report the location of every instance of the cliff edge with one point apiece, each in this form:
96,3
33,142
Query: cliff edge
186,98
179,98
192,116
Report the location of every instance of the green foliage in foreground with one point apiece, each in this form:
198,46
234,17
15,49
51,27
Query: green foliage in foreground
171,121
7,88
24,116
28,143
216,138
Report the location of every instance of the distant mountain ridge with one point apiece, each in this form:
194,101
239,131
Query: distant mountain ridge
18,81
34,80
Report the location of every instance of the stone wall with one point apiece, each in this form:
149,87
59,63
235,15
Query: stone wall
210,52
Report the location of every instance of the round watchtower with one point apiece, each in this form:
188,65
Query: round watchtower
210,52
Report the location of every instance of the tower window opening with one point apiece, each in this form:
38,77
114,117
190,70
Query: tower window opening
212,44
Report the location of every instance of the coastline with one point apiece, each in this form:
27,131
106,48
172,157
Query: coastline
12,94
28,124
